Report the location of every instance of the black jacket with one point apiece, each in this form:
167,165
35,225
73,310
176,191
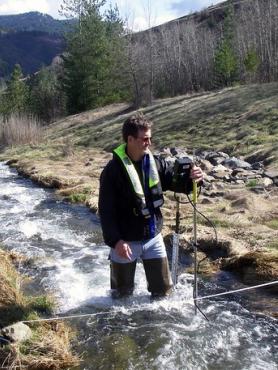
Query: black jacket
117,206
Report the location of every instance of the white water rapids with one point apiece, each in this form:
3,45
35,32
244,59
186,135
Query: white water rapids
70,261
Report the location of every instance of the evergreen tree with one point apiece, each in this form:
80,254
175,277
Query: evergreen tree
47,100
225,64
225,58
85,63
94,56
251,63
15,98
118,74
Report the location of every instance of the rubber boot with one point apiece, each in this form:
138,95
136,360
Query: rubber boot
122,278
158,276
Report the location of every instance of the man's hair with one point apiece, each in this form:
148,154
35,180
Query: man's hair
134,124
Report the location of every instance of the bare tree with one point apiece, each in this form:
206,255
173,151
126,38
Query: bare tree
178,57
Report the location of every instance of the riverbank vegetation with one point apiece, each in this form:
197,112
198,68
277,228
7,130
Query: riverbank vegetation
50,344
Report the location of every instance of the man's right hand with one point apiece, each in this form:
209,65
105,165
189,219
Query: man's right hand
123,249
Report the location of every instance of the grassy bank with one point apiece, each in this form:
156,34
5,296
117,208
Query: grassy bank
49,347
242,121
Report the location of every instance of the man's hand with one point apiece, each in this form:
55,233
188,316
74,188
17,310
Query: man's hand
196,174
123,249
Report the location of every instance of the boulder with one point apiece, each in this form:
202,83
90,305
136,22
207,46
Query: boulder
267,182
243,174
217,160
17,332
209,178
273,175
224,155
220,172
233,163
206,165
179,152
257,166
219,168
210,155
239,182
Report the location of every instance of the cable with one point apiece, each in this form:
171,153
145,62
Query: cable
200,213
236,290
67,317
205,217
128,311
199,309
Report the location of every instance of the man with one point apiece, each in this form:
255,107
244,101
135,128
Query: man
130,198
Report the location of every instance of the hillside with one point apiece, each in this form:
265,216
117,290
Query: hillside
34,21
206,50
31,49
30,39
242,121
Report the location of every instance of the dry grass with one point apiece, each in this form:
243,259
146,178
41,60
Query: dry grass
49,348
20,129
255,267
9,281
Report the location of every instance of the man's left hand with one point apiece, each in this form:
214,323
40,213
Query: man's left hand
196,174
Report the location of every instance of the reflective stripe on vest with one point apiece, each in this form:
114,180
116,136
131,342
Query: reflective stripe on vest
120,151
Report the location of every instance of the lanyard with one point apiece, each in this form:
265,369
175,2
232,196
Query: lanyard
146,176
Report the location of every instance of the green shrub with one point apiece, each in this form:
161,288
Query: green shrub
77,198
273,224
252,183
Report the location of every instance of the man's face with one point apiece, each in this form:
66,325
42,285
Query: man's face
138,146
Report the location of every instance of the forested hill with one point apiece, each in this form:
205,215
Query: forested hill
31,50
30,39
34,21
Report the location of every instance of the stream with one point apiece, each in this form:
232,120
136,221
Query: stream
71,262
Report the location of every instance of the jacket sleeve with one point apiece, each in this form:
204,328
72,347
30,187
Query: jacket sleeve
166,171
107,206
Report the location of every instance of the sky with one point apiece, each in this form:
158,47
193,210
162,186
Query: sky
140,14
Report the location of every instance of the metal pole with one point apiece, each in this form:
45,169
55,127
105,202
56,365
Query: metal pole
194,200
175,249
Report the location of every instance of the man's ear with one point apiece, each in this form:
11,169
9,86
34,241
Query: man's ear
130,139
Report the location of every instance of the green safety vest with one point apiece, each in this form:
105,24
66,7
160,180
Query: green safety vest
154,181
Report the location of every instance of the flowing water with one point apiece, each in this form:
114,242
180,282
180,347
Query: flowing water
71,262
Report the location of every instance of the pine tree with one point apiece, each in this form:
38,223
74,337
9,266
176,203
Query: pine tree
225,58
84,62
47,101
225,64
17,93
94,56
251,63
117,61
